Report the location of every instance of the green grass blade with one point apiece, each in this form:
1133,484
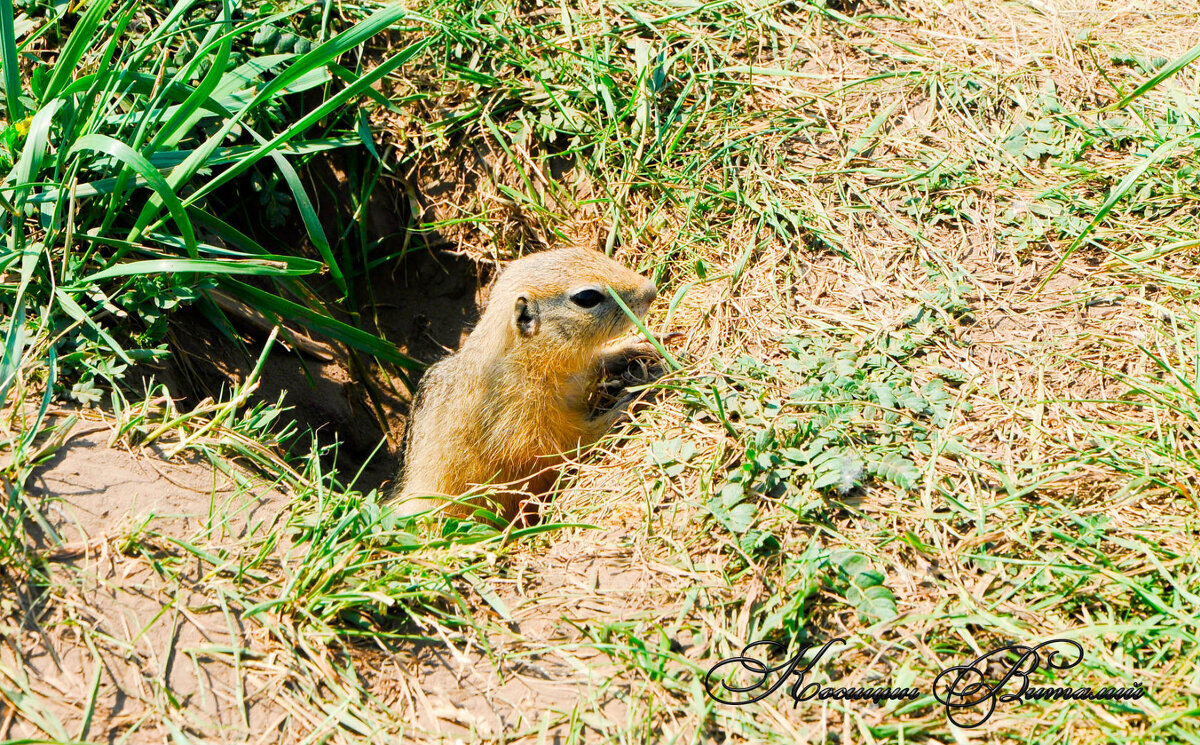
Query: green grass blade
1167,71
1120,190
14,345
171,158
349,77
296,264
308,214
312,117
321,55
293,268
82,37
142,167
74,310
641,326
8,59
30,256
334,48
225,231
322,323
90,709
184,118
246,74
30,162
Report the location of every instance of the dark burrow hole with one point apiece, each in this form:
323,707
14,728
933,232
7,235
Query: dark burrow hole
420,295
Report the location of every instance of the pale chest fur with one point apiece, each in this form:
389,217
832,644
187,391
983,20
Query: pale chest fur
531,420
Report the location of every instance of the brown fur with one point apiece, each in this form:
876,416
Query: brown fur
507,406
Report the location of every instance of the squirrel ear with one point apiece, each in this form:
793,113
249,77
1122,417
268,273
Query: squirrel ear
525,317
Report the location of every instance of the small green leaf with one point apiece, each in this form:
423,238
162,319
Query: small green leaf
741,518
877,603
850,562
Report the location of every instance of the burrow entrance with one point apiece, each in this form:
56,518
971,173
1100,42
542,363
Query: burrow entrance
409,288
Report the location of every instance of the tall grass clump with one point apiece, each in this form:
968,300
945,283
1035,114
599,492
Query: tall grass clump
111,150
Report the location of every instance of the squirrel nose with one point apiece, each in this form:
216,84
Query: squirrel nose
644,297
649,292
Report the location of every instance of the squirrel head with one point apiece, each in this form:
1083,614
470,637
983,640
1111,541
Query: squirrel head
560,302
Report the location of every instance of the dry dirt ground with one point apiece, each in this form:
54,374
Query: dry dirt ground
133,531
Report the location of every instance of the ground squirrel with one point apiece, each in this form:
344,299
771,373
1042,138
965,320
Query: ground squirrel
514,398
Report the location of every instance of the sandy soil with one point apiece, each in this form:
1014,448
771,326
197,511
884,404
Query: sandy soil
134,530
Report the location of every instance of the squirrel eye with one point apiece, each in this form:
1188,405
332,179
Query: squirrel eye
587,298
